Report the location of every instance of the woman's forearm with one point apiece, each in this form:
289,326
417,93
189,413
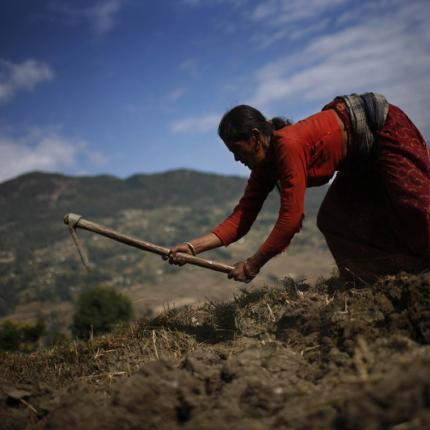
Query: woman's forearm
206,242
258,260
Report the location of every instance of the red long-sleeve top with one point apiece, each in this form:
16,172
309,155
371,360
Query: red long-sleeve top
302,155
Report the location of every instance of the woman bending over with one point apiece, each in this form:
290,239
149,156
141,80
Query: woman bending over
376,214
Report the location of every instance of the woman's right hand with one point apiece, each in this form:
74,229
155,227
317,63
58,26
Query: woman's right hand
173,256
194,247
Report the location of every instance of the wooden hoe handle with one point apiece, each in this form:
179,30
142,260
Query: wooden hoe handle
74,221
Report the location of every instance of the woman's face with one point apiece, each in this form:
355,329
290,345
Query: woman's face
243,152
249,152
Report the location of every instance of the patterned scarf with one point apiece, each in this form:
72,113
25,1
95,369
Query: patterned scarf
367,113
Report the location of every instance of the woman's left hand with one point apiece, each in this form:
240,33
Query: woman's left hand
244,271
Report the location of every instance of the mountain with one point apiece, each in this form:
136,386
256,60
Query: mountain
32,205
39,268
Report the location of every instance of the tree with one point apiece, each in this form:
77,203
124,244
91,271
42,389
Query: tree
98,310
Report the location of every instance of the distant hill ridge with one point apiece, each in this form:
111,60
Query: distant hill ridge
36,202
96,194
31,202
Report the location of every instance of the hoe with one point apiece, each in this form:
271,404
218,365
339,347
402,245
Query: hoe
76,221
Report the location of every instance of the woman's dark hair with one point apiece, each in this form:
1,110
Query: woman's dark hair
237,124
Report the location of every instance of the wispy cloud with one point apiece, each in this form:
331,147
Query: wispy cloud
45,150
195,3
200,124
294,33
287,11
101,17
191,66
176,94
25,76
287,20
388,54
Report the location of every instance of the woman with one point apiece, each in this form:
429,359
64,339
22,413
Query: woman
376,214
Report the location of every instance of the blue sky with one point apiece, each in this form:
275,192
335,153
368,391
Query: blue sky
129,86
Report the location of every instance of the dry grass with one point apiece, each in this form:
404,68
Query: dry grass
169,336
99,360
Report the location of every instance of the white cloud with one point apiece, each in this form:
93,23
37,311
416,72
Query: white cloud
176,94
291,33
101,17
279,12
388,53
199,3
45,150
191,67
288,20
25,76
197,124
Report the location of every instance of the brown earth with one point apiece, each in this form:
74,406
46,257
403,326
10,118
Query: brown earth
329,356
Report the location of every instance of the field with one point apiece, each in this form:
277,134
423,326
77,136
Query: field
288,356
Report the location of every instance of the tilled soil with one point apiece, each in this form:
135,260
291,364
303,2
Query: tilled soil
331,356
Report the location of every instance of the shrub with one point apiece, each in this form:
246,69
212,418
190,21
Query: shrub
23,336
98,310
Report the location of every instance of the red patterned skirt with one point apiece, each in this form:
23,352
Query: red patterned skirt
376,214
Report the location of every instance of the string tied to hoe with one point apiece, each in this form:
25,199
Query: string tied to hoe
72,220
